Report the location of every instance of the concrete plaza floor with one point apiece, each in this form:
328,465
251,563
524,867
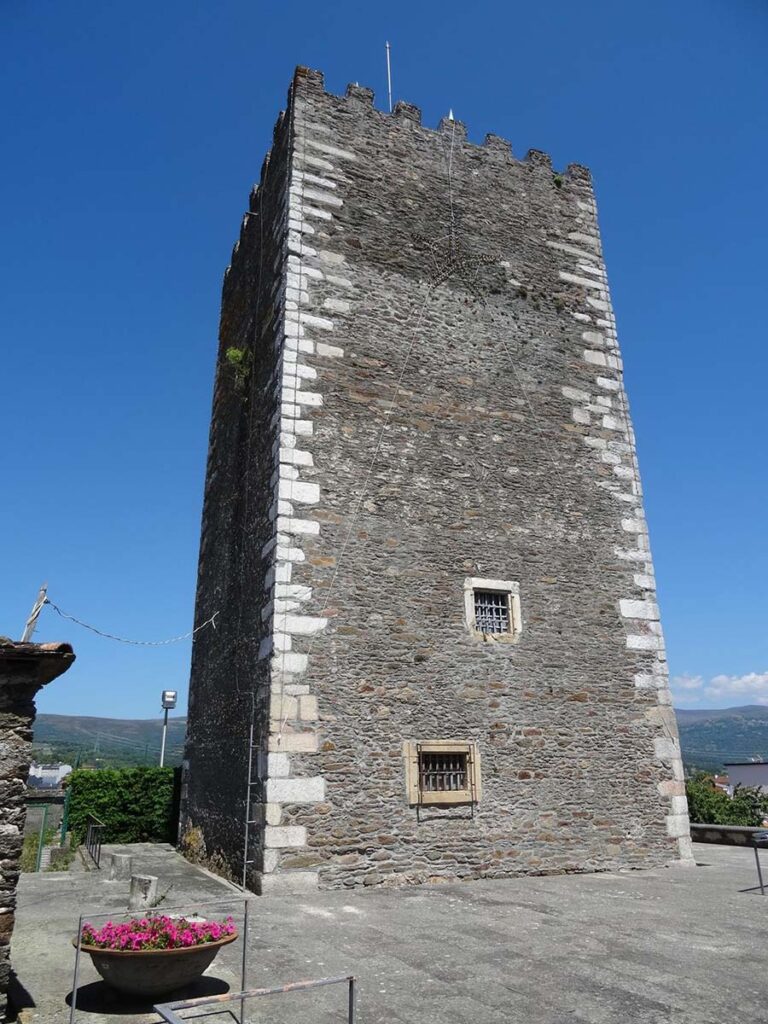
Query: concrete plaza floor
670,946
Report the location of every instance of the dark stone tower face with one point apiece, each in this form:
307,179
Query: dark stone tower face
423,526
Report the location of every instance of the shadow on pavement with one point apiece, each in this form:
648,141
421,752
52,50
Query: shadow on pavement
98,997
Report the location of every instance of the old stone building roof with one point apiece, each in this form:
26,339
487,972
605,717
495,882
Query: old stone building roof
32,663
24,669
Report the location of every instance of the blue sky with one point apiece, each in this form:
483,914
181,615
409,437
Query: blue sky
134,133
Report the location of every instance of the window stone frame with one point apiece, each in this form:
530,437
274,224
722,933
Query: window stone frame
416,796
512,590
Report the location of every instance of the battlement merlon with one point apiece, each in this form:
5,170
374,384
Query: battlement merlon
408,115
493,150
545,198
491,162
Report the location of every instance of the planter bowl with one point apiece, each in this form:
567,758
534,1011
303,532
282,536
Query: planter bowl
153,972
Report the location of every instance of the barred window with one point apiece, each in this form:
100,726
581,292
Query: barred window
491,611
442,772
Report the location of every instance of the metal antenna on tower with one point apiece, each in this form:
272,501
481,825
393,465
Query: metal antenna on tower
389,76
31,622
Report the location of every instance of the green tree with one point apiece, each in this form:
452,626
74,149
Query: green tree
708,805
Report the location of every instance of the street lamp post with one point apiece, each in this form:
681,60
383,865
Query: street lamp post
167,702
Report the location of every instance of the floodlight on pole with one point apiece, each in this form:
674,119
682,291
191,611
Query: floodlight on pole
167,703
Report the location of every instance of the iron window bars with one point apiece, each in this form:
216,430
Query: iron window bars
492,611
443,771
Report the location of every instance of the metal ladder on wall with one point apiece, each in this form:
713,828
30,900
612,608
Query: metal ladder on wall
252,792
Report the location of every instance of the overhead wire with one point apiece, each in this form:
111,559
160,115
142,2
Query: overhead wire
124,640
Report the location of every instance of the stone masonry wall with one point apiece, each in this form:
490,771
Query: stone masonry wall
452,406
24,669
229,685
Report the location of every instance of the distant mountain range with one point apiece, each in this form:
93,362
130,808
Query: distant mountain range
708,738
107,741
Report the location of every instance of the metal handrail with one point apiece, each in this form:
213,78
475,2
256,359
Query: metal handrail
167,1011
41,838
94,838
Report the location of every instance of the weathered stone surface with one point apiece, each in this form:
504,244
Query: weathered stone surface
120,867
640,947
453,429
24,669
143,892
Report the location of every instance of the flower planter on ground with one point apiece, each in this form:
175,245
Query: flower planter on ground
154,956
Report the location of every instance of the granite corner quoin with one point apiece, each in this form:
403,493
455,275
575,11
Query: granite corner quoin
418,384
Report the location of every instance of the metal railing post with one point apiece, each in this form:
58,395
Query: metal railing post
244,965
93,839
168,1011
759,872
352,1001
41,840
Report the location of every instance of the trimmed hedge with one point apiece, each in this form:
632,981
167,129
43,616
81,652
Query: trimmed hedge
137,805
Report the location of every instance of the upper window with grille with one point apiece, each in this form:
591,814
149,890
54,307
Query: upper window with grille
491,611
492,608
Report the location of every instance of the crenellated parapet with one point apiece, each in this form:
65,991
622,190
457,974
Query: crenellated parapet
409,116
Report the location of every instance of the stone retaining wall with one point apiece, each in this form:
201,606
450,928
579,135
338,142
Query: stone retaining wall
723,835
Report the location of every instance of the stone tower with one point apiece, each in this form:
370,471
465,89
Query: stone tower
423,529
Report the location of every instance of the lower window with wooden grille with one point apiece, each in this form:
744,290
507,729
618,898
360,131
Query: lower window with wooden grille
442,772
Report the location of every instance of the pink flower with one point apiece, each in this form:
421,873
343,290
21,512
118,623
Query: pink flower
160,932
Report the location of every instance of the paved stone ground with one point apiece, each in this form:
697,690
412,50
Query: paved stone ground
671,946
42,955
